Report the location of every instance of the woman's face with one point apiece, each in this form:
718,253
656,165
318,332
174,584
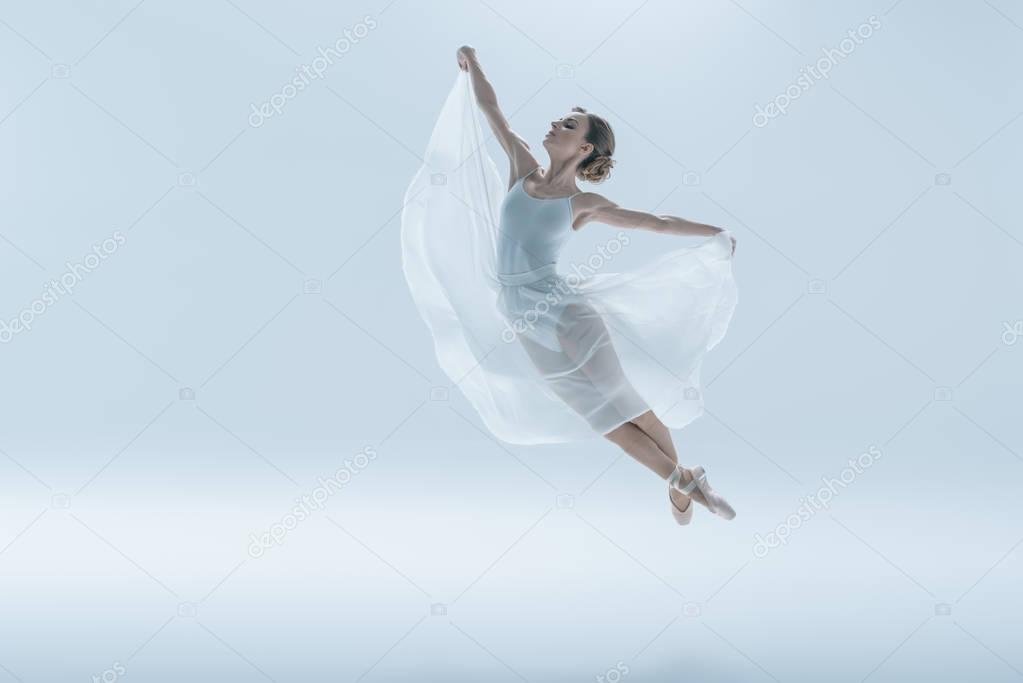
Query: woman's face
567,136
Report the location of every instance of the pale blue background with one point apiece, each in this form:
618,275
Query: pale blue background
867,289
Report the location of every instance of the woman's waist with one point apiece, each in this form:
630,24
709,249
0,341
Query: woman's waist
529,275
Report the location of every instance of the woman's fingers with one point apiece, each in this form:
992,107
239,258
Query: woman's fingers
464,54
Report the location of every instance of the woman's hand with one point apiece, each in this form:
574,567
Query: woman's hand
730,237
464,55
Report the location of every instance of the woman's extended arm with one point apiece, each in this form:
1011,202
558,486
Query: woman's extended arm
602,210
514,146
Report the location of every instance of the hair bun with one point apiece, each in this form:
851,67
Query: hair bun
598,170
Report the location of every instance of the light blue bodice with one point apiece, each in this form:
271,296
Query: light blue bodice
532,231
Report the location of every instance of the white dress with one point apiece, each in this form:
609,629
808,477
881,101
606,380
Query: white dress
546,353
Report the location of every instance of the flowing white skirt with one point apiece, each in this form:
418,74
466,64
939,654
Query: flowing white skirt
551,356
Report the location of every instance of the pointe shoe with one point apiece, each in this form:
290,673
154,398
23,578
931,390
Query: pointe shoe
715,501
682,517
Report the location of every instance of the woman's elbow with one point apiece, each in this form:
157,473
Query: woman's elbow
658,224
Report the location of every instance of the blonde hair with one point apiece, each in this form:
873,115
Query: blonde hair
596,168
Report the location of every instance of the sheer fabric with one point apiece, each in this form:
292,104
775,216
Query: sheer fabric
547,353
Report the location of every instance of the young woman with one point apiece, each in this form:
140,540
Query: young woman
544,356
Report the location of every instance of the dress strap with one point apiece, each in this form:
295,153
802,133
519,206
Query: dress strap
532,172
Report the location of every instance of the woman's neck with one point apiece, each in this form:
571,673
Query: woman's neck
560,175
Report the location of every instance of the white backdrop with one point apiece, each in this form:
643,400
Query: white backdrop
226,450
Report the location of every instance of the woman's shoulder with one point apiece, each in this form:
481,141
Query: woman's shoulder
587,199
586,207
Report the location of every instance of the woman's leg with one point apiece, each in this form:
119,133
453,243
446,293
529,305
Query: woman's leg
645,450
661,435
658,431
586,340
636,443
586,373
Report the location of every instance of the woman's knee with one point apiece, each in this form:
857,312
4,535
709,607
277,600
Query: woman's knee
621,434
647,420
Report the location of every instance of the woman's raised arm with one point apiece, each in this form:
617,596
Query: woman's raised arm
514,146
